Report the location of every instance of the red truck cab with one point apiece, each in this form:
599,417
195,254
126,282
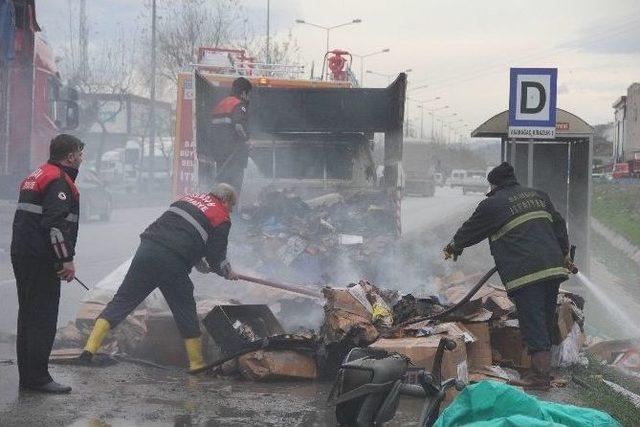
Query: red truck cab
34,105
620,170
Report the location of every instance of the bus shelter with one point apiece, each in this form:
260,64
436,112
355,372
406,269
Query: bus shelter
561,167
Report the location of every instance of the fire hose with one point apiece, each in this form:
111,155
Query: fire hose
572,268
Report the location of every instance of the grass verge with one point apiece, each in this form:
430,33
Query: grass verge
618,207
598,395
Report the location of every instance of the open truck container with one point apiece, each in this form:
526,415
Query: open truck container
312,135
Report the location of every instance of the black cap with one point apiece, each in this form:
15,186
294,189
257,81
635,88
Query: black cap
501,174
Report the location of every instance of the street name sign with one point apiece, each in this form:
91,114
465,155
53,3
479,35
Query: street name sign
532,103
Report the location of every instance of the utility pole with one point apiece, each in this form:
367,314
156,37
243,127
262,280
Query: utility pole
152,96
83,41
268,56
433,139
421,121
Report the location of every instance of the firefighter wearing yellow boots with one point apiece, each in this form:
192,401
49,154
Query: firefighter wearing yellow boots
192,232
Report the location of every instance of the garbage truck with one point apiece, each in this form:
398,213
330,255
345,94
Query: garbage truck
311,134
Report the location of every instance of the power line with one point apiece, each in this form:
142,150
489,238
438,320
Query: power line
488,69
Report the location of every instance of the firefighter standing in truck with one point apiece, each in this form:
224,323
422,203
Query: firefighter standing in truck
45,229
229,133
194,231
529,242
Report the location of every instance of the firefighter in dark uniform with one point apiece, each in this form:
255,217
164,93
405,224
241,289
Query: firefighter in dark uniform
230,133
529,242
192,232
45,229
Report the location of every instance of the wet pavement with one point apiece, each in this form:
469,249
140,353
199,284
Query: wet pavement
127,394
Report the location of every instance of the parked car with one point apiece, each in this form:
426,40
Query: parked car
456,178
475,182
95,198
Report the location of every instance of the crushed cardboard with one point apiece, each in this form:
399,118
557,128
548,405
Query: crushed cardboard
486,330
272,365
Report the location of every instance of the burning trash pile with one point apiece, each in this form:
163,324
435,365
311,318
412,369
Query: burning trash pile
249,341
486,328
317,237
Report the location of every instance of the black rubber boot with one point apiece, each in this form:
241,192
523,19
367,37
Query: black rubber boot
51,387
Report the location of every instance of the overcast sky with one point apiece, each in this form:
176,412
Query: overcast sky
461,49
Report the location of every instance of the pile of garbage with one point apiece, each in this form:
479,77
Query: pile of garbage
486,328
248,340
310,240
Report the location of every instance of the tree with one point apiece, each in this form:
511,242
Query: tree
108,70
189,24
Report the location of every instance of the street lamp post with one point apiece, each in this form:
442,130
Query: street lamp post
328,29
388,76
362,62
442,127
432,118
421,107
152,96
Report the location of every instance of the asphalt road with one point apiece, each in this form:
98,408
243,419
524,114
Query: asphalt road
104,246
101,248
446,207
128,394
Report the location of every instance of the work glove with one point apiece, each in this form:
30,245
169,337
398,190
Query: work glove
203,266
570,265
227,271
450,251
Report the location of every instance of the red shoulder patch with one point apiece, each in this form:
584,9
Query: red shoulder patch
226,106
210,206
39,179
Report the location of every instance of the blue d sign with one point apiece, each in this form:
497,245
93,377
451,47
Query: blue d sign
532,102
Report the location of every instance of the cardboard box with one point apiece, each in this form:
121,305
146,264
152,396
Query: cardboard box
341,299
565,321
479,352
422,350
162,342
269,365
508,347
88,313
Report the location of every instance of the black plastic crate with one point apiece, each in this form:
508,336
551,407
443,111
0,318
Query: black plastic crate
219,323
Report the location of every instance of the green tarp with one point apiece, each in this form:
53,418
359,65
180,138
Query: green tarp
490,403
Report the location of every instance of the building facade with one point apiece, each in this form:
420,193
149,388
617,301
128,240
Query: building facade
626,136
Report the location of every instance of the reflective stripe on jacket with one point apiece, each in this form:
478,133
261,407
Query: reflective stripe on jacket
194,227
527,236
228,130
46,220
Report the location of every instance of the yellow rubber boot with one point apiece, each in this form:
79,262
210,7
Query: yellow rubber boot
194,353
100,330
